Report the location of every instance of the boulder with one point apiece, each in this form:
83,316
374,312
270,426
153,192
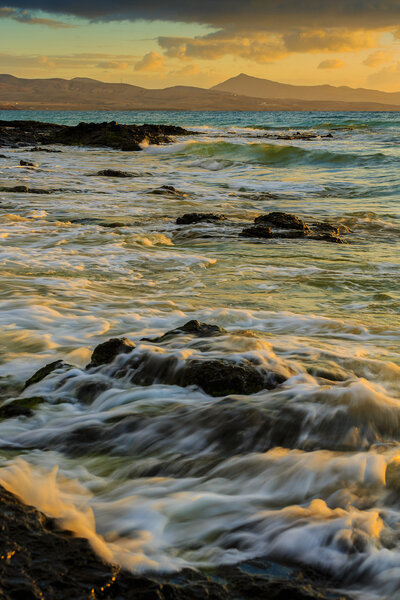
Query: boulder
24,189
20,407
258,231
189,218
168,190
220,377
281,220
106,352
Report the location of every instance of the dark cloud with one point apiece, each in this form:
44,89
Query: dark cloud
24,16
269,14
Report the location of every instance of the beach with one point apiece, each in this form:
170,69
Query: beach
265,425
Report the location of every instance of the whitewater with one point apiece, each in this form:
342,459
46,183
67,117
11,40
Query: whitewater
162,476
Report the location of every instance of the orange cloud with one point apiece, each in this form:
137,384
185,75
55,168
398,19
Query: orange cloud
377,58
113,64
333,63
152,61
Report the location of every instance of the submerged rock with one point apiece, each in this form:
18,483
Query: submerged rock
106,352
24,189
39,560
193,327
115,173
44,371
20,407
40,149
27,163
259,231
168,190
189,218
281,220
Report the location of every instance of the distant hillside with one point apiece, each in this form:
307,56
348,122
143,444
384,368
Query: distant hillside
264,88
89,94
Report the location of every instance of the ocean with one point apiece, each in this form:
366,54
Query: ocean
162,476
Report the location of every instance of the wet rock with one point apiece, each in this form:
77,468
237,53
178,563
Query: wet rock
106,352
327,237
24,189
20,407
193,327
111,135
223,377
3,156
40,149
281,220
258,231
115,135
325,227
115,173
190,218
44,371
168,190
27,163
88,391
41,561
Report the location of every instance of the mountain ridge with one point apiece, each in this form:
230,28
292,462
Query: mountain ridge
81,93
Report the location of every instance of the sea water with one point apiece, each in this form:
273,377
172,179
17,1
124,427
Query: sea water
160,476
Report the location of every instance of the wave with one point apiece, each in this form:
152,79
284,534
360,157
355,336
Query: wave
277,155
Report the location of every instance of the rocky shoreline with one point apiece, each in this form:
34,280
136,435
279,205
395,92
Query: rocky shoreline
38,561
109,135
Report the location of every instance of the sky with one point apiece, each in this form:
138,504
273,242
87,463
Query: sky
161,43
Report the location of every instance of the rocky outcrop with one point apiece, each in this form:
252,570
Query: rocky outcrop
281,220
27,163
24,189
44,371
110,135
259,231
168,190
115,173
40,561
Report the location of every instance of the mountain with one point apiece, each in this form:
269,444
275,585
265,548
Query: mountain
90,94
264,88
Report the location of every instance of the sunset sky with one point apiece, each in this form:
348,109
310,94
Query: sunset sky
159,43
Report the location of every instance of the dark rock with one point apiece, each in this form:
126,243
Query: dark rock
114,173
40,149
193,327
41,561
223,377
106,352
327,237
259,231
89,390
3,156
114,135
44,371
111,135
20,407
168,190
24,189
281,220
27,163
189,218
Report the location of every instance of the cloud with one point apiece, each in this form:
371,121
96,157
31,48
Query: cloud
377,58
152,61
23,16
275,15
186,71
113,65
387,78
328,41
333,63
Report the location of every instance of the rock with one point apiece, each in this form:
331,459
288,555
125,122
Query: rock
40,149
44,371
106,352
3,156
259,231
281,220
115,173
168,190
89,390
189,218
24,189
20,407
39,561
115,135
221,377
327,237
27,163
112,135
193,327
